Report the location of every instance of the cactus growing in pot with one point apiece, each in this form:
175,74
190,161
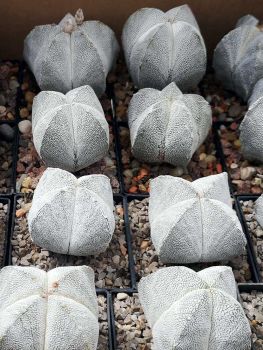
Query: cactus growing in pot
161,48
194,221
72,53
69,131
48,310
167,126
72,216
238,59
189,310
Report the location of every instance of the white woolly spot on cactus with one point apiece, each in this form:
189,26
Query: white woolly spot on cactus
161,48
69,26
72,216
192,310
194,221
33,318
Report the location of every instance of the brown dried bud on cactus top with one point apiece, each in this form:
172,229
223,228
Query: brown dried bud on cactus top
79,17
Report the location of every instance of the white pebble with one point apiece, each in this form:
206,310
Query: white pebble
25,126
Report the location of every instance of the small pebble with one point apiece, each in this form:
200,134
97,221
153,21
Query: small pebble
25,126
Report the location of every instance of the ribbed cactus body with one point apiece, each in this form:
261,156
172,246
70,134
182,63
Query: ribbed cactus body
194,221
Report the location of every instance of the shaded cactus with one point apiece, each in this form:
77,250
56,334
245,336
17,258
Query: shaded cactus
71,54
167,126
189,310
48,310
161,48
69,131
251,128
70,215
194,221
238,57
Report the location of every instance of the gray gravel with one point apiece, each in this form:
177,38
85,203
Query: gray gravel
103,323
146,258
253,306
133,331
255,230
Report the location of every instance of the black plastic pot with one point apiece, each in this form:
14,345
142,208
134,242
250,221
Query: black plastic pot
6,200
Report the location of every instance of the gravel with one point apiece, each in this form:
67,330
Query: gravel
6,162
146,258
3,226
253,306
123,90
110,267
103,323
255,231
8,89
226,107
136,174
245,176
132,329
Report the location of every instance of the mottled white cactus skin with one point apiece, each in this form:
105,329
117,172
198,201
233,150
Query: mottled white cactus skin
251,128
48,310
259,210
194,221
167,126
163,47
72,216
69,131
190,311
238,57
68,55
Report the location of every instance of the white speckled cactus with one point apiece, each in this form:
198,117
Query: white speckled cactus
69,131
48,310
238,57
189,310
251,128
71,54
72,216
167,126
194,221
164,47
259,210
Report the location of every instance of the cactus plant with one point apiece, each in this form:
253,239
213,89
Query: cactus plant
189,310
72,216
194,221
259,210
251,128
71,54
48,310
161,48
238,59
69,131
167,126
